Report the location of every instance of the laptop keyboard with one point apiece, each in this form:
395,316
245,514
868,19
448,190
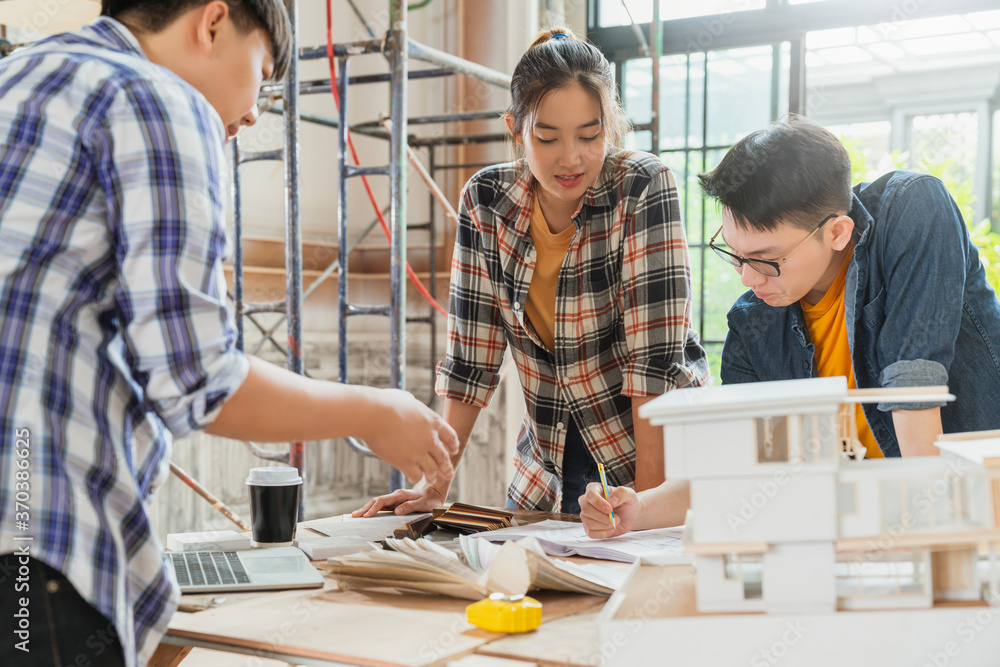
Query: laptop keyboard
208,568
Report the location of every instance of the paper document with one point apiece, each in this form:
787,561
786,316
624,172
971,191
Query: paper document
481,568
566,538
323,539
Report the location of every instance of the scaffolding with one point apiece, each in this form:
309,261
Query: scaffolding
397,49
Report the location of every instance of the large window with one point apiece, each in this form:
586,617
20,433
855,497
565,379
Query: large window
618,12
913,89
708,101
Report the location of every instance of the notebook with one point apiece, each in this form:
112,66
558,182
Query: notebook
249,570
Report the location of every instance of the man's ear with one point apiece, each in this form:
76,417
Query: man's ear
209,19
841,231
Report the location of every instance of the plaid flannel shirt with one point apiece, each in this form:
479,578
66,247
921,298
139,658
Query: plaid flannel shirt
623,315
114,335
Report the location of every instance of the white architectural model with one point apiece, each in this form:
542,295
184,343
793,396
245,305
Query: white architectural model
785,517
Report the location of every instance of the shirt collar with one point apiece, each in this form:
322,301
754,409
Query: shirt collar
862,220
113,34
515,199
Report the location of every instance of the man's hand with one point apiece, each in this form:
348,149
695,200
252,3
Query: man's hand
404,501
410,436
594,511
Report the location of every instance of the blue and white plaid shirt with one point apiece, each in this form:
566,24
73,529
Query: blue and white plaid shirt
114,335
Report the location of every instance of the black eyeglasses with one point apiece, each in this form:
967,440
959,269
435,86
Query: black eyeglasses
762,266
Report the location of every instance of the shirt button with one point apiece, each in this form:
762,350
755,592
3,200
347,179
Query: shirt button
517,306
559,426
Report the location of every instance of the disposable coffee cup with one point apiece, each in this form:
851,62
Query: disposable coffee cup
274,505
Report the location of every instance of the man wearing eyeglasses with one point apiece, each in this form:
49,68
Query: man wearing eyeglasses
879,283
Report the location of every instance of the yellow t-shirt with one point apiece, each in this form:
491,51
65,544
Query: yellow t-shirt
550,251
828,331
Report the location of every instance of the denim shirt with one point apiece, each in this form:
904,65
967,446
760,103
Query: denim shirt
918,308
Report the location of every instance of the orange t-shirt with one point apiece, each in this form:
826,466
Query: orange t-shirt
828,331
550,252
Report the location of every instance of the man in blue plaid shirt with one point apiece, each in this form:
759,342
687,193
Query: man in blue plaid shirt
114,335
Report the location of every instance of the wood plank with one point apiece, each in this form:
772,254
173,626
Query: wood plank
567,642
367,628
167,655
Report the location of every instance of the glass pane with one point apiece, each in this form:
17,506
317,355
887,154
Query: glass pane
819,437
847,498
685,168
945,145
614,12
640,140
975,500
696,257
918,491
723,285
739,93
682,90
868,146
892,504
714,353
681,97
637,92
995,181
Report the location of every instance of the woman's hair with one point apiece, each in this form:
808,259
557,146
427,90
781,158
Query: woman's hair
555,60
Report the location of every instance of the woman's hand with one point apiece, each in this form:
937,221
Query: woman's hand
595,511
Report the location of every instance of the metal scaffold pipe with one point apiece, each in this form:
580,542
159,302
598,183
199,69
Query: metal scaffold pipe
293,234
397,211
419,51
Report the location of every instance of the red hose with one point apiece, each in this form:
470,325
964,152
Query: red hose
364,179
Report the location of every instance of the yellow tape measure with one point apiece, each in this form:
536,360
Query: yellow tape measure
500,613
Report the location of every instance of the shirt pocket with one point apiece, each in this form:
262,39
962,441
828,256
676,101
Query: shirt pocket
873,313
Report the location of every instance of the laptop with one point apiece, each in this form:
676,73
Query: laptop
249,570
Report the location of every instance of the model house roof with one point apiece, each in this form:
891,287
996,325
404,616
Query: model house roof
984,451
735,401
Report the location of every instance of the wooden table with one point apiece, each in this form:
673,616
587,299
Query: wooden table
379,629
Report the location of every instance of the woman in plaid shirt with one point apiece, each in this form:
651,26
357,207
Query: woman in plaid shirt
574,257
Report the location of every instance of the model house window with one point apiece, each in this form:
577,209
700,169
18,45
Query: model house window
772,439
819,435
972,493
891,498
928,504
847,498
881,574
748,569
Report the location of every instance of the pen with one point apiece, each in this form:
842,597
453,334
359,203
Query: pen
607,496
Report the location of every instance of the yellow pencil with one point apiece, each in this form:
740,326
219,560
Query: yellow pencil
607,496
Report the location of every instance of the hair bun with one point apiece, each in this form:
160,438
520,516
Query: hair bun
553,33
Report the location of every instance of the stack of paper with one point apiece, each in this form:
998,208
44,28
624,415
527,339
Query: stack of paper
513,569
564,538
212,540
339,536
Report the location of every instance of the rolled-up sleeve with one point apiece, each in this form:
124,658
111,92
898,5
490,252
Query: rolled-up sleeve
916,344
476,341
663,350
164,181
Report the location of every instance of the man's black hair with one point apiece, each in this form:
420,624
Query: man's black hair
269,15
794,171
